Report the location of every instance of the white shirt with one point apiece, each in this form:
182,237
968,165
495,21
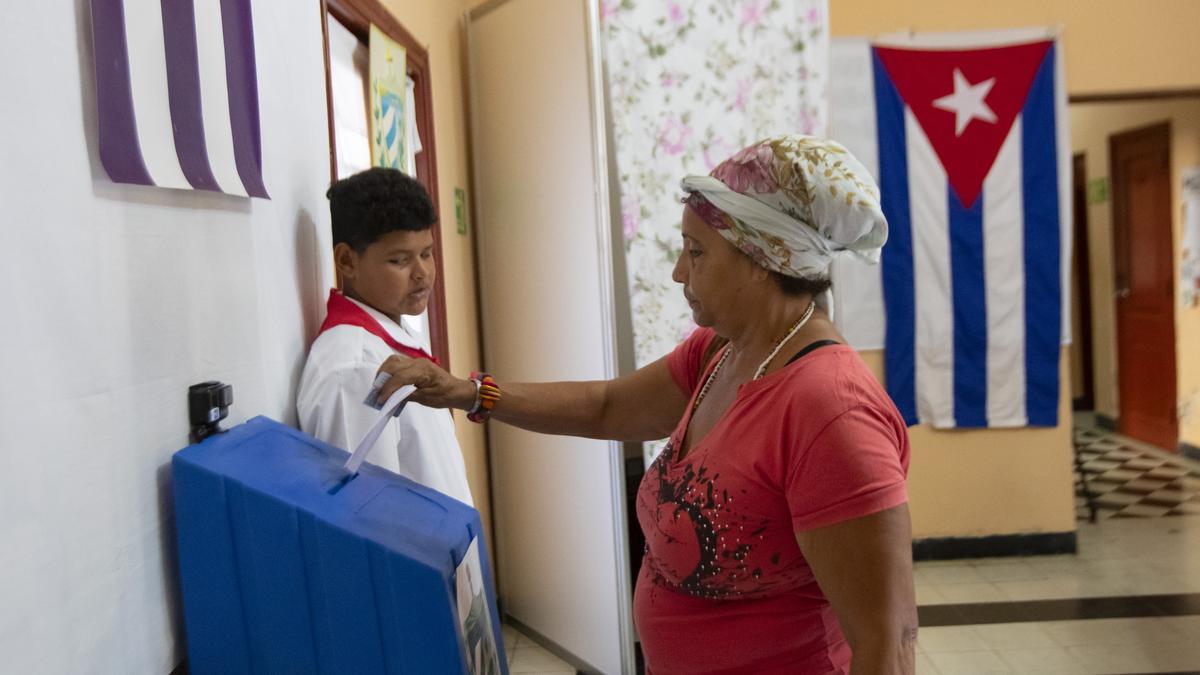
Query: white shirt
419,444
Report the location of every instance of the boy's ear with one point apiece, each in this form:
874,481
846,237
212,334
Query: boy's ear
345,259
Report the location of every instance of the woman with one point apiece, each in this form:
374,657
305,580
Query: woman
776,519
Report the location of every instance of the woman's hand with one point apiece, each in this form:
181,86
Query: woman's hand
642,405
436,388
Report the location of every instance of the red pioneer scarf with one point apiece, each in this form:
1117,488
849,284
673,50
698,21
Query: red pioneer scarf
343,312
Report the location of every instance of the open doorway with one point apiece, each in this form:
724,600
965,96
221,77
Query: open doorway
1082,359
347,26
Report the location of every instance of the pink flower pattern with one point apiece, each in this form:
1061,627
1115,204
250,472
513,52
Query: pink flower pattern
743,93
707,212
716,152
748,171
675,114
678,16
608,10
674,136
753,12
631,216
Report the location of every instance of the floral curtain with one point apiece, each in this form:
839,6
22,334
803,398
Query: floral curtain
690,83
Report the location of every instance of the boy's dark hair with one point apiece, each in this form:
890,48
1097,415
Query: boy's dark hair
375,202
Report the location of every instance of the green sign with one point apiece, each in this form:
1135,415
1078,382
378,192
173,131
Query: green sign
1097,190
460,209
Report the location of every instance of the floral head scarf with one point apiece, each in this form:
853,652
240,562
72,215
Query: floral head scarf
791,203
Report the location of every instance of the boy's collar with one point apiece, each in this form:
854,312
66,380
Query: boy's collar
398,331
342,310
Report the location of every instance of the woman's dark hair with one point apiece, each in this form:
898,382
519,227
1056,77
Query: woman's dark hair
795,286
372,203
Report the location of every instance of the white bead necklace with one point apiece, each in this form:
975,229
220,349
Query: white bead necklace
762,368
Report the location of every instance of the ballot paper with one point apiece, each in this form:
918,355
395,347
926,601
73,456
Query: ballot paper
387,411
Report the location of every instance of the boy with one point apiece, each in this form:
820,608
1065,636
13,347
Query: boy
383,248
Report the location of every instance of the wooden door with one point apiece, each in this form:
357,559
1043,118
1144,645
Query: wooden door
1145,290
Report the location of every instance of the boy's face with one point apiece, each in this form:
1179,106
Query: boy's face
394,275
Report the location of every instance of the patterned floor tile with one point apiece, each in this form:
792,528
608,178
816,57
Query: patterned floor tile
1191,508
1167,472
1144,485
1124,480
1142,511
1120,475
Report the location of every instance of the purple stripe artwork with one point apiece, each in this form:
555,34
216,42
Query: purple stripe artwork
242,78
136,154
183,90
120,151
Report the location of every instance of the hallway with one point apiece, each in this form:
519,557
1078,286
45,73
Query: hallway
1127,602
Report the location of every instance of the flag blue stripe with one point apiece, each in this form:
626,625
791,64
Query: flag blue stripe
970,311
1043,283
898,284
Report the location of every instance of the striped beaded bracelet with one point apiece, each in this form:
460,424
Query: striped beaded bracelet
487,394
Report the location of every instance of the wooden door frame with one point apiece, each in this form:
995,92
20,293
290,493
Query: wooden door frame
357,16
1086,400
1121,239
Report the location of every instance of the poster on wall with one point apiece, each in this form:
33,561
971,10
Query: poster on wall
177,95
1189,271
389,102
475,616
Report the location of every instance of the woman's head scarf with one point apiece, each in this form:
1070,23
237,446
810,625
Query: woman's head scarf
791,203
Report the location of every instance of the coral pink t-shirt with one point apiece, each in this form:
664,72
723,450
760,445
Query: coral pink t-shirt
724,587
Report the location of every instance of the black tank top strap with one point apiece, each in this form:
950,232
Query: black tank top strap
812,348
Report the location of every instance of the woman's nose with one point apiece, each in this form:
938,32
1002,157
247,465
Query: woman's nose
679,271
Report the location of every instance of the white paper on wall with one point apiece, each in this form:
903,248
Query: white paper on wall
1189,271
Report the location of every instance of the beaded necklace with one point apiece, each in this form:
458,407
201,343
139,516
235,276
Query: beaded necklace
762,368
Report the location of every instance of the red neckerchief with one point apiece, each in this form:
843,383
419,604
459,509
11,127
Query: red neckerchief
341,311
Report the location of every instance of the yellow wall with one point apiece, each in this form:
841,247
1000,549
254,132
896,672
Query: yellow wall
975,483
437,24
1110,45
1091,126
963,483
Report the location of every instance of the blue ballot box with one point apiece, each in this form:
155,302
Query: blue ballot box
289,566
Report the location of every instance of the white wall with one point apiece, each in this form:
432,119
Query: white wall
118,297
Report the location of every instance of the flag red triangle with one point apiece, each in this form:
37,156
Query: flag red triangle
928,80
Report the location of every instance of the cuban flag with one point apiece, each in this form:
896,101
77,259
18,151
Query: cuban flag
177,94
966,135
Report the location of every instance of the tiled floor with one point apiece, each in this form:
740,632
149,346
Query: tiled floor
1127,602
1116,557
1128,479
527,656
1144,567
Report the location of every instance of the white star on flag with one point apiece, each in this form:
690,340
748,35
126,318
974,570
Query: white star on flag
967,102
